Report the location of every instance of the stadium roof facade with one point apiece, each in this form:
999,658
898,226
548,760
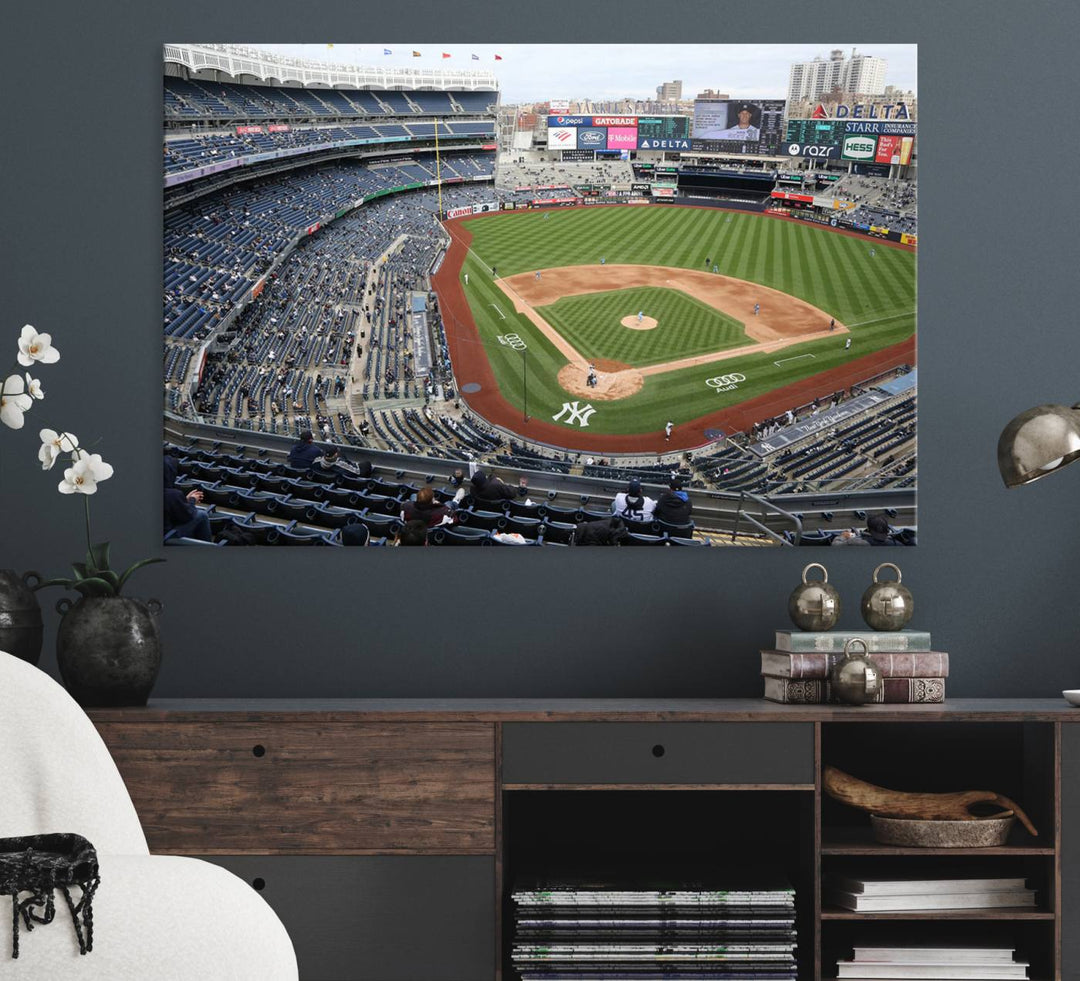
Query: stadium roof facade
237,61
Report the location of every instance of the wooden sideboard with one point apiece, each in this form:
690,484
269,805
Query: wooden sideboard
387,833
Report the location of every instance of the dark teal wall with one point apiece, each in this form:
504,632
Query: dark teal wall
995,578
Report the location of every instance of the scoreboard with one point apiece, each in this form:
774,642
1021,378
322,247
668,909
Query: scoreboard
824,132
663,127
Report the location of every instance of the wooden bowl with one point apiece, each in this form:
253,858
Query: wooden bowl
917,833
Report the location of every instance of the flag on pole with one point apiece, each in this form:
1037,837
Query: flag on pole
498,57
387,51
476,57
416,54
445,55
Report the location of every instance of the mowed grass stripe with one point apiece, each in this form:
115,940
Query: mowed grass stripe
830,271
687,327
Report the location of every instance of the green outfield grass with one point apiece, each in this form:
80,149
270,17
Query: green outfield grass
874,295
686,326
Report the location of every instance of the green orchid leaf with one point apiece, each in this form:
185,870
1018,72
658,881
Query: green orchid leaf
94,587
110,577
98,557
66,583
80,570
138,565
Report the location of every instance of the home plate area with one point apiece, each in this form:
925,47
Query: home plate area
614,380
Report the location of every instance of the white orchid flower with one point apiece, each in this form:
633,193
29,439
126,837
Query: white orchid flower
33,387
36,347
14,401
85,474
53,444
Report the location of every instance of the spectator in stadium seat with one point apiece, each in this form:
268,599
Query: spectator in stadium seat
332,462
674,505
182,514
305,452
877,530
849,536
604,531
490,488
412,533
425,508
355,534
632,504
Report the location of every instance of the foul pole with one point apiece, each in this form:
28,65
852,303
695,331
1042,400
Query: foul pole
438,167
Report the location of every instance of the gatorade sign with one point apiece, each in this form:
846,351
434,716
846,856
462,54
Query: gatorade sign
859,147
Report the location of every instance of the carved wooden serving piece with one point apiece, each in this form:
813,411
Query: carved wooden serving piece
902,804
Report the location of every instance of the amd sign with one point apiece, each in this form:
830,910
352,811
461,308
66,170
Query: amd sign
820,150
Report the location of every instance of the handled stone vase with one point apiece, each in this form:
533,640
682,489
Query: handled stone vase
108,649
21,628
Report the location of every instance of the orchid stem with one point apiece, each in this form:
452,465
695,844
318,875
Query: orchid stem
89,547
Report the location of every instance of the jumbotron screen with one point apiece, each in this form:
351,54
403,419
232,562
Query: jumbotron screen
740,125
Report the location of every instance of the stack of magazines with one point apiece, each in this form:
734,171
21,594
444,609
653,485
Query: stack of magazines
581,931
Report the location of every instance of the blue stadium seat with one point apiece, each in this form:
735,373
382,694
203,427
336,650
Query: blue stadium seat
559,532
489,520
459,535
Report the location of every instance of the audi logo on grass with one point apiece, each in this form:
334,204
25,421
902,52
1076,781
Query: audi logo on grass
726,383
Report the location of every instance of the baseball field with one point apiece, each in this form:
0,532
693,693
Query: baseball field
628,326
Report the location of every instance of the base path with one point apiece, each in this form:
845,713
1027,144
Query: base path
471,365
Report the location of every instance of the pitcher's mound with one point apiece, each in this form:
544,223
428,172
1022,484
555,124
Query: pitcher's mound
614,380
647,323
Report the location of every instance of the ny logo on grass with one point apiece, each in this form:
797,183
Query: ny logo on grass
576,414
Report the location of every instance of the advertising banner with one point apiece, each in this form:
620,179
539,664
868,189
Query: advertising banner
562,139
907,239
278,128
591,138
622,138
792,196
859,148
568,121
656,143
559,105
663,192
886,127
640,188
820,151
888,150
627,121
246,130
906,144
833,204
458,212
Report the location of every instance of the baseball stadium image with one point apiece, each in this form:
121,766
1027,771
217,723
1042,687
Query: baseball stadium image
412,303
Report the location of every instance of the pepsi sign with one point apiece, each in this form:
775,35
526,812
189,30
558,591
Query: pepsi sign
568,120
656,143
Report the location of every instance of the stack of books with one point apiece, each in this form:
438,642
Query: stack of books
582,931
938,963
896,894
796,671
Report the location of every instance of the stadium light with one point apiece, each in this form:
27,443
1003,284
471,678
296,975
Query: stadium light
1037,442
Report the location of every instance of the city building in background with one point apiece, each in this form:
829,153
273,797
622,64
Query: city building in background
862,74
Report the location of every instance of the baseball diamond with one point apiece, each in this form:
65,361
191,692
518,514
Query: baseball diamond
814,289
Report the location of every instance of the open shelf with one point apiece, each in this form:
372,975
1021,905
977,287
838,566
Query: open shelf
1002,913
860,841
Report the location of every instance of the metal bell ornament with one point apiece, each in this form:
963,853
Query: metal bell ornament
887,605
814,605
855,679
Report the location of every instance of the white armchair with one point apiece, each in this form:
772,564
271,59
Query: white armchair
156,918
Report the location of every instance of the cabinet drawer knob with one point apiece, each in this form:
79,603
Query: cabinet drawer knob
258,883
658,751
258,750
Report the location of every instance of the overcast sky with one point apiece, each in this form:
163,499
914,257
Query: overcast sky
538,72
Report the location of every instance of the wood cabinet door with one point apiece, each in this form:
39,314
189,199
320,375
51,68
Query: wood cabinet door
335,788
